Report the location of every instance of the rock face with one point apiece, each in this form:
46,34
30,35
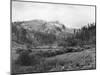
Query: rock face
54,27
42,26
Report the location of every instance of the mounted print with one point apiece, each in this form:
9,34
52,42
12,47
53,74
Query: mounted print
52,37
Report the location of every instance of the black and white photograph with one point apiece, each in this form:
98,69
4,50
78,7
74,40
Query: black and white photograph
52,37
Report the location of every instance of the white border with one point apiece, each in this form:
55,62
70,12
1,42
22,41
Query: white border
5,37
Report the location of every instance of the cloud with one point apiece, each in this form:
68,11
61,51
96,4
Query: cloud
70,15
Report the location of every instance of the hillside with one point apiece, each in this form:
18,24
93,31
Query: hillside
39,31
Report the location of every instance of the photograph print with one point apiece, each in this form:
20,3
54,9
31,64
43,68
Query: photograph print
52,37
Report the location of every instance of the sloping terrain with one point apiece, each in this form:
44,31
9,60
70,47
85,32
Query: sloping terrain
82,60
39,32
75,61
39,46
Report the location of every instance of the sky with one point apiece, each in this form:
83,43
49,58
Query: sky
72,16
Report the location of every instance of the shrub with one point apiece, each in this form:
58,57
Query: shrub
72,41
19,50
23,59
45,38
27,59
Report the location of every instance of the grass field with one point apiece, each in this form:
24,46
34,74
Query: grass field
65,61
75,61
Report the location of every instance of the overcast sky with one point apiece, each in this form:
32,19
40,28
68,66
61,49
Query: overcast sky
72,16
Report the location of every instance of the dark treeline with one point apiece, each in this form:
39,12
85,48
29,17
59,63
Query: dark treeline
85,35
